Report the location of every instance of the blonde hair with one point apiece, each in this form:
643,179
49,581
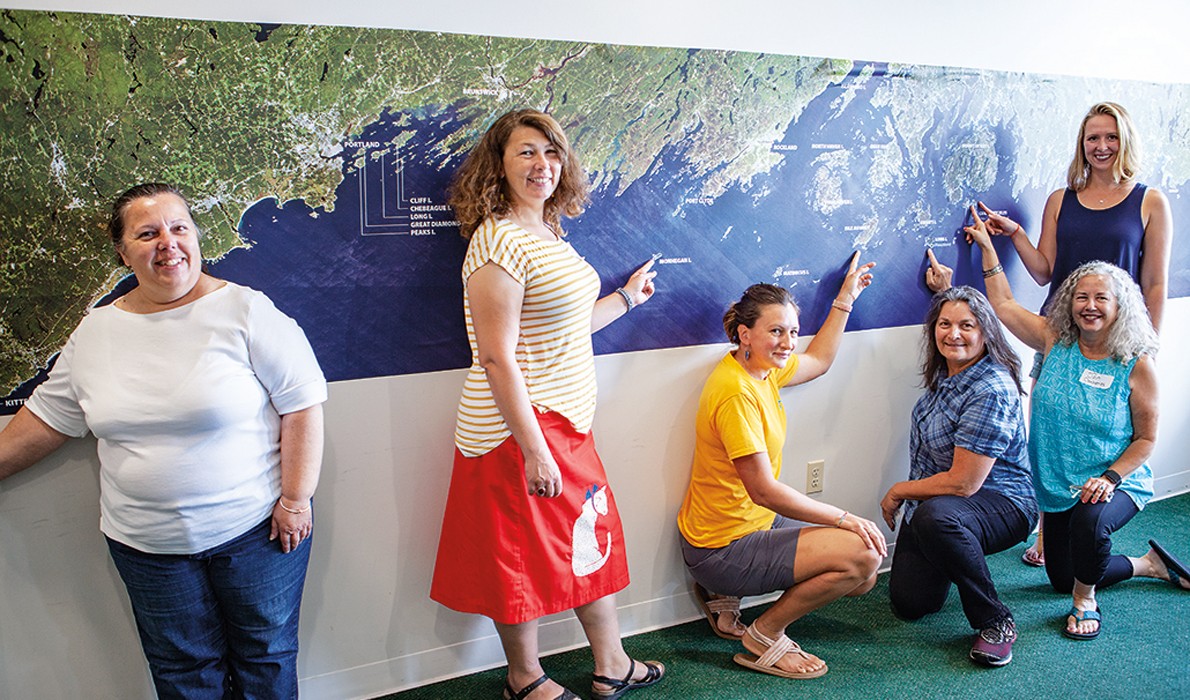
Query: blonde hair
1127,162
479,190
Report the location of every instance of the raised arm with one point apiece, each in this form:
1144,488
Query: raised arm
495,300
25,441
1031,328
637,290
756,473
821,351
1154,270
1039,263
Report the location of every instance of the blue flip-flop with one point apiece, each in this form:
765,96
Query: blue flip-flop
1080,616
1177,570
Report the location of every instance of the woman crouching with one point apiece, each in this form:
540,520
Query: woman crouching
739,522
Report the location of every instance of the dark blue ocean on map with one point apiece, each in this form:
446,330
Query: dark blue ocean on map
382,305
370,305
386,305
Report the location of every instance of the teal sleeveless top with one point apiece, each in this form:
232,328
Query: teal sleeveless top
1081,423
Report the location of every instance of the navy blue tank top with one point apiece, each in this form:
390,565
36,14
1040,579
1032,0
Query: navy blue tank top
1115,235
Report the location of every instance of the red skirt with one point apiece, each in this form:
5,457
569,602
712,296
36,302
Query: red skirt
515,557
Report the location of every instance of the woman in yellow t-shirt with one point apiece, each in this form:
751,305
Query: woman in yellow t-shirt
739,523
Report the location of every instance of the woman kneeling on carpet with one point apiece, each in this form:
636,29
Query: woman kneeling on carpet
740,536
1094,422
968,493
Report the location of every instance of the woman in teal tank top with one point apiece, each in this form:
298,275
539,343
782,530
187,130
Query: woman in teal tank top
1094,422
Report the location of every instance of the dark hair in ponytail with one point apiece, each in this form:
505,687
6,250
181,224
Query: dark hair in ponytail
747,310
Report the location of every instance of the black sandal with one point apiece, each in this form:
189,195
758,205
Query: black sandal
656,670
510,694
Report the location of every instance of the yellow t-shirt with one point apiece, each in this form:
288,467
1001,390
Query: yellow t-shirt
737,416
553,348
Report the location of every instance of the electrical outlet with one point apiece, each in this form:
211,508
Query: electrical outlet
814,475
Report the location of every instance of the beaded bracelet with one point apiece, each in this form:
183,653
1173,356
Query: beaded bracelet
841,305
627,298
839,522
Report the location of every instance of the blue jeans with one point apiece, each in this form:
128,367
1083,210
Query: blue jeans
946,542
221,623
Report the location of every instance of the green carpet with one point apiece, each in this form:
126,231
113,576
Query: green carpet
871,654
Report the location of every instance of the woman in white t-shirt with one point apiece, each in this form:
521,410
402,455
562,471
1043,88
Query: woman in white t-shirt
207,405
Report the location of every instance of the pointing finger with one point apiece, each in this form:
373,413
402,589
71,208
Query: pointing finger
935,266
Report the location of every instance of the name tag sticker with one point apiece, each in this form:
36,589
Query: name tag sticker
1096,380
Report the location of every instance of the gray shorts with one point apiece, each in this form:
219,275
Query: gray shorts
755,564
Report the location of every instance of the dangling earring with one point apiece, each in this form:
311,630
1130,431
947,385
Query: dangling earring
747,354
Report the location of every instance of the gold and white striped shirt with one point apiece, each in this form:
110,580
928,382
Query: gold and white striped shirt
554,344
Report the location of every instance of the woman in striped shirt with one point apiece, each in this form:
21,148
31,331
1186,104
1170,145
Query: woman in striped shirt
531,527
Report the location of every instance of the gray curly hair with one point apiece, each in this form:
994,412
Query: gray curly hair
1131,335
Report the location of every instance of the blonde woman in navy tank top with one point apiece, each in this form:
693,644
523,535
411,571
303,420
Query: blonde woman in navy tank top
1104,213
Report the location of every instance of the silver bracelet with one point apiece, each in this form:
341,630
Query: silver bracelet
287,509
839,522
627,298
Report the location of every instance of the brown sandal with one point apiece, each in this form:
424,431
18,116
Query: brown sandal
713,607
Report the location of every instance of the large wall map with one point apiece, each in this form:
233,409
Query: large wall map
316,159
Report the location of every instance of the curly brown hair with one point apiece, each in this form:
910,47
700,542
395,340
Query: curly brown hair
479,190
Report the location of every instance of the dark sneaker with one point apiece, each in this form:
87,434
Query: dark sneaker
993,645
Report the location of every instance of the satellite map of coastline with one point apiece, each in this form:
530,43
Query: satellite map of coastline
316,159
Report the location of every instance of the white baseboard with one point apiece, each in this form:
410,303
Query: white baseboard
557,634
1171,485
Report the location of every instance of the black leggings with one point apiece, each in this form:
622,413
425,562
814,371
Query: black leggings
1078,544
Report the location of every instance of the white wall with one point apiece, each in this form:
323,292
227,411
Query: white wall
368,626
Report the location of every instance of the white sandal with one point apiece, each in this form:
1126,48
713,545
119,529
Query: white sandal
776,648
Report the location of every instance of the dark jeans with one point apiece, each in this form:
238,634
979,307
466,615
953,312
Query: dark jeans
221,623
1078,544
945,542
